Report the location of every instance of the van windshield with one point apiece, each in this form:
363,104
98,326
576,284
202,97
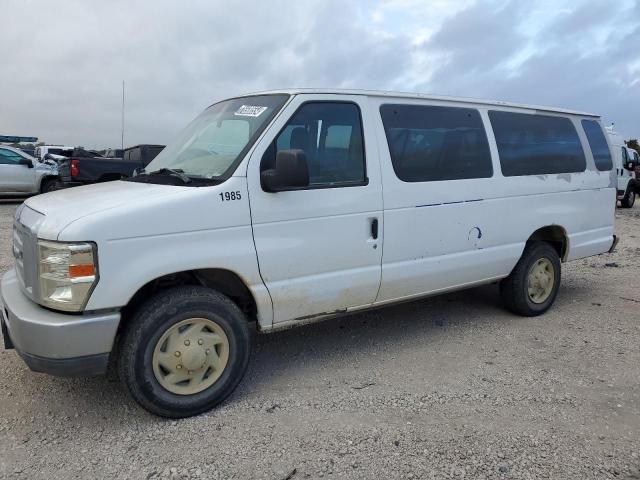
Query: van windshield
212,145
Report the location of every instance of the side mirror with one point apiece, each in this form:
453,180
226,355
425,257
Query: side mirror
291,171
631,166
25,161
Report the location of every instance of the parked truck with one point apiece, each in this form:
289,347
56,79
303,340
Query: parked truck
82,169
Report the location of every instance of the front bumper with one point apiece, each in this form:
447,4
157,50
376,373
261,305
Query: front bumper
51,342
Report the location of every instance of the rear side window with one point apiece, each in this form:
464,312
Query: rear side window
330,134
598,144
430,143
536,144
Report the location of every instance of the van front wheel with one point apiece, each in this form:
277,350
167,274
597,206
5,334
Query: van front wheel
533,285
184,351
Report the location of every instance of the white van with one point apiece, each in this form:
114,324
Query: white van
288,206
625,160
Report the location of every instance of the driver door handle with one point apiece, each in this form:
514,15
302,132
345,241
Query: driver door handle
374,228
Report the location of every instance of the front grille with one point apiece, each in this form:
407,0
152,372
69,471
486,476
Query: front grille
18,252
25,251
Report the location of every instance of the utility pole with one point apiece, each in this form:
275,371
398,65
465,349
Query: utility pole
122,136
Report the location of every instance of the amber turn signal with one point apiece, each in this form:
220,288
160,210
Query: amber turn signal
76,271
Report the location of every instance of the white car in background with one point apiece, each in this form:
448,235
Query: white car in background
22,174
625,161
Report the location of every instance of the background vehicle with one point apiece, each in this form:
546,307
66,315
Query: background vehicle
112,153
22,174
142,153
625,161
636,157
42,150
29,150
82,168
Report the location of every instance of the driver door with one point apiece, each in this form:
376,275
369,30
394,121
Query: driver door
320,247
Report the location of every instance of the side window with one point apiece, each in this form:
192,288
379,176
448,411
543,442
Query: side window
134,155
330,134
7,157
625,157
536,144
429,143
598,144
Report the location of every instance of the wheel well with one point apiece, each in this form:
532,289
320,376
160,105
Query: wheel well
46,178
555,235
224,281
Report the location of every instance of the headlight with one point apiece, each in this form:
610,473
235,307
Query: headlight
68,273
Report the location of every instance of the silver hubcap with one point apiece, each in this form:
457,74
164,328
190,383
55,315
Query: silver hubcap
190,356
541,280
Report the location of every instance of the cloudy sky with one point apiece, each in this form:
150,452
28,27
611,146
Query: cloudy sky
63,62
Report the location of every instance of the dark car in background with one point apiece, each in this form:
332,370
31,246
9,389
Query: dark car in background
82,167
142,153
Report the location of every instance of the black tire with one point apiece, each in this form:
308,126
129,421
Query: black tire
50,185
514,289
629,198
149,323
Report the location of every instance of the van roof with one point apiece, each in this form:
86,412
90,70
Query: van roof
420,96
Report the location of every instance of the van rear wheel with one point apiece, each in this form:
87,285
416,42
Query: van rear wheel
533,285
184,351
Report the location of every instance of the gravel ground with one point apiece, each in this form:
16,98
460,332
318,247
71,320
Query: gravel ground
448,387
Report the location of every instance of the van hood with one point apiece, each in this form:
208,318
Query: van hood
63,207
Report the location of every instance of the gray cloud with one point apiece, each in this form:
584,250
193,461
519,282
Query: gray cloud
479,38
565,64
63,63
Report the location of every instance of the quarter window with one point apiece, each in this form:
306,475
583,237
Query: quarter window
536,144
431,143
598,144
7,157
330,134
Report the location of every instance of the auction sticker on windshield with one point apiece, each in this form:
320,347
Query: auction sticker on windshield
250,111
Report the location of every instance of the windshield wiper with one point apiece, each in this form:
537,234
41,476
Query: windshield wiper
171,172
